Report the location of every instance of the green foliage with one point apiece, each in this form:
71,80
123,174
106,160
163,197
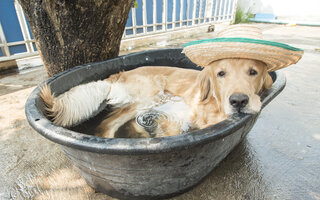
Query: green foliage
242,17
134,4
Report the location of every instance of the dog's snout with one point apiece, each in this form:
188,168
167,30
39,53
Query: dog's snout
239,100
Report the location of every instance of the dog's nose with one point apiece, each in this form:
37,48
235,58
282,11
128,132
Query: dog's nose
239,100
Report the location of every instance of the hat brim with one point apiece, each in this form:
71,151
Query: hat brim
276,55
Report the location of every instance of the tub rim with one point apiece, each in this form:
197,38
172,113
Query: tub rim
137,146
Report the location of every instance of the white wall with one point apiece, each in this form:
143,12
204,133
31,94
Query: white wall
285,9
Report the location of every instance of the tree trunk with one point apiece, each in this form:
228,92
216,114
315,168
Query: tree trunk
68,33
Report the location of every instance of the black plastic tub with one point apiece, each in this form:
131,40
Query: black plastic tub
146,168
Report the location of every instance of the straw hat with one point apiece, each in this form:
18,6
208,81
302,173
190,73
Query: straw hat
242,41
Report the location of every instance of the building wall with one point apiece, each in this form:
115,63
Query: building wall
307,10
148,17
10,25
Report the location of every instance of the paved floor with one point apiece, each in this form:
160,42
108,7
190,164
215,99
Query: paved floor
279,159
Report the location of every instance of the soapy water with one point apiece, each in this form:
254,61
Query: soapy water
167,115
170,116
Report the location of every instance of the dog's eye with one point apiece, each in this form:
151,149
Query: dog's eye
221,74
252,72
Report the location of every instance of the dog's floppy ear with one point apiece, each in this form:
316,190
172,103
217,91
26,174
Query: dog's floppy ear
267,81
205,84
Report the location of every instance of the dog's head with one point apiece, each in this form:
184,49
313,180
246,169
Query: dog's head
235,84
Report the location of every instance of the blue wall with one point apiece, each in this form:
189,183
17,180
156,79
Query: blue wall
159,4
10,25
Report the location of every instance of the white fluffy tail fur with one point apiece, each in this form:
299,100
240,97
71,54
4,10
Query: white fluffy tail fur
76,105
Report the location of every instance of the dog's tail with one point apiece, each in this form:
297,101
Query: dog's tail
48,99
76,105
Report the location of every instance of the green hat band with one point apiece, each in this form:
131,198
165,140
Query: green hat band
244,40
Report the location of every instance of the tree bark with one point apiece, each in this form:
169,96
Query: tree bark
68,33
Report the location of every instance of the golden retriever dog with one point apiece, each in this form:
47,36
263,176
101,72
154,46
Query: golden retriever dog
200,98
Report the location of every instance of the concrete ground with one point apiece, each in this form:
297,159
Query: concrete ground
279,159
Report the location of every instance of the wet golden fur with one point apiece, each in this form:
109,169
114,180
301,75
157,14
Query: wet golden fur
195,87
204,91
